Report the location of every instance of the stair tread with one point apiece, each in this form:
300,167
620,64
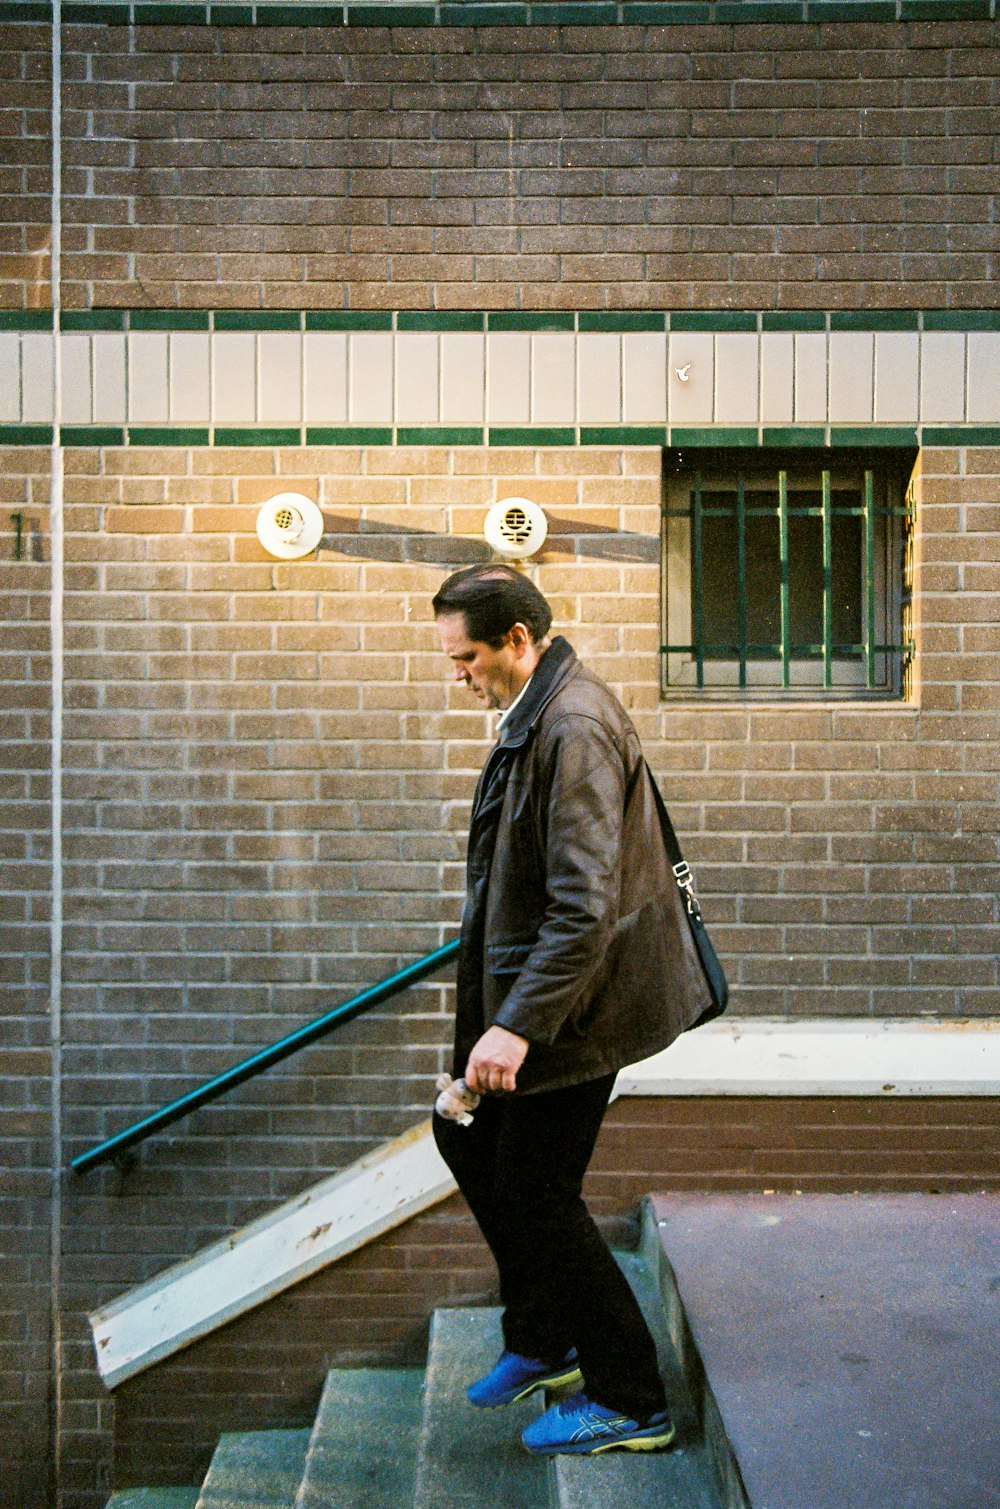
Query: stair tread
362,1452
679,1477
154,1498
259,1469
473,1458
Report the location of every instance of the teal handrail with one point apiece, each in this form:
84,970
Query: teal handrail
115,1146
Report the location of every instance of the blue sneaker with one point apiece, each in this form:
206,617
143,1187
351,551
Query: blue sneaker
514,1377
580,1426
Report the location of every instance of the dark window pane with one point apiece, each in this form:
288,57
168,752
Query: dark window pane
720,573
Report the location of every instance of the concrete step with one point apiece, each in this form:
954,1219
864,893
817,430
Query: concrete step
363,1449
473,1458
259,1469
154,1498
682,1476
849,1341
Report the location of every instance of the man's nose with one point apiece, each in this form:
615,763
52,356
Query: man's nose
461,673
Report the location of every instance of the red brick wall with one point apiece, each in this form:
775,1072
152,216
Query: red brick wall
843,166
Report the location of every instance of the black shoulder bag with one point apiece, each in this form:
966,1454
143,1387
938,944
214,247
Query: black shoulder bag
715,975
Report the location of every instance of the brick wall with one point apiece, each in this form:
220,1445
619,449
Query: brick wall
25,166
266,1369
844,166
25,881
266,777
267,783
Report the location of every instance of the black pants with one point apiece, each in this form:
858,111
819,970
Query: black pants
520,1166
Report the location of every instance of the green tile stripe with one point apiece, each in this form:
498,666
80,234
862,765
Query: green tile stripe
874,319
954,10
26,319
170,319
795,436
164,435
349,319
522,435
530,319
496,12
801,319
717,435
440,435
710,319
962,319
484,15
25,434
257,319
25,12
266,435
790,437
620,321
440,319
851,10
349,434
658,13
108,15
872,434
92,319
623,434
91,434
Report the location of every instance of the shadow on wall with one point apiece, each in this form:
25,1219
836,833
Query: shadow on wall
395,542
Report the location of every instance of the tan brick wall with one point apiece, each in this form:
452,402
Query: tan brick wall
25,894
839,166
267,781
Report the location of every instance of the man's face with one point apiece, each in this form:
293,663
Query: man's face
494,676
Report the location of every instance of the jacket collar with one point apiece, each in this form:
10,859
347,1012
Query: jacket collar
554,668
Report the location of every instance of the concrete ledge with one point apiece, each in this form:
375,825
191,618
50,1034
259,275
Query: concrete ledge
771,1056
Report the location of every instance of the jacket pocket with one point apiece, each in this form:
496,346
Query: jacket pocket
507,958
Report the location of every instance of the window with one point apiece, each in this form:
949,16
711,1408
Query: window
787,575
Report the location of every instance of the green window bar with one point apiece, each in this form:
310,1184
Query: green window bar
827,580
786,612
792,552
741,576
697,560
869,518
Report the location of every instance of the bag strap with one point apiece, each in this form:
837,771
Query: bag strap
678,864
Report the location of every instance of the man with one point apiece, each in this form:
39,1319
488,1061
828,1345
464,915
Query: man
572,964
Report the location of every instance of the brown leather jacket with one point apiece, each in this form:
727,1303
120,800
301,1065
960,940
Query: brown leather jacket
574,933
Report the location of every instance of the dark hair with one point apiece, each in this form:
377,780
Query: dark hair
493,599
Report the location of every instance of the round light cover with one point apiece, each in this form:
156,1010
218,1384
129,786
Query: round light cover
516,528
289,525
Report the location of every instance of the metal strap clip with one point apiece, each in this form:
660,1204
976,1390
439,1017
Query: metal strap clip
684,878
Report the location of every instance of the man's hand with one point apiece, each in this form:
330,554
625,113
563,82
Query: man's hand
495,1060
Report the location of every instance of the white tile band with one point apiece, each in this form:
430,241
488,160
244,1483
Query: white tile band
504,378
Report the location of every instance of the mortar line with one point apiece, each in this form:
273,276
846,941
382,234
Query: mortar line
56,640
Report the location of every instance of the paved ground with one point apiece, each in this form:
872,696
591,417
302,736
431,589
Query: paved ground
852,1342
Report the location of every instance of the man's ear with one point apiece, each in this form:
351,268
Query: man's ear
519,637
